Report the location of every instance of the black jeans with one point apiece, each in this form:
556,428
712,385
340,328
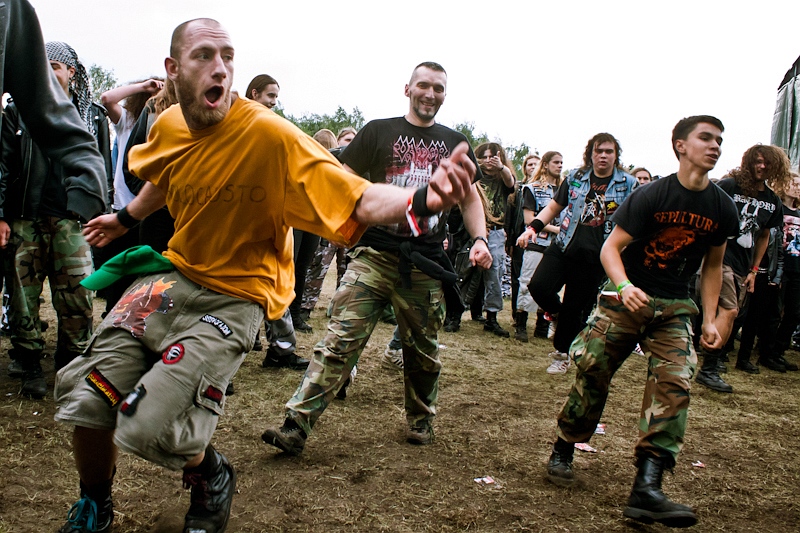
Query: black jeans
580,280
790,302
305,245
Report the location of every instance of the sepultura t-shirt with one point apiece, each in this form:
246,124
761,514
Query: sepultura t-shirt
672,229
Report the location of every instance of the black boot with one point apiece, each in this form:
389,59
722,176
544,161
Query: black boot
709,373
521,326
33,383
94,512
276,360
213,484
542,325
491,325
559,466
648,504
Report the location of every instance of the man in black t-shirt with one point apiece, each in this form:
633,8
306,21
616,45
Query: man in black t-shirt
759,210
401,264
662,235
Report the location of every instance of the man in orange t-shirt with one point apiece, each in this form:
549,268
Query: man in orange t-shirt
236,178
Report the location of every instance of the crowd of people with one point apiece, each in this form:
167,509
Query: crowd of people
202,220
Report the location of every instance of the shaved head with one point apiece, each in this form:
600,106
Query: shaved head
176,46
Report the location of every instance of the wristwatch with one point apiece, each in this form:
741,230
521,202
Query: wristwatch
481,238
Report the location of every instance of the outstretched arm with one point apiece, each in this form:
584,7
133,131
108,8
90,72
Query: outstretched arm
452,181
105,228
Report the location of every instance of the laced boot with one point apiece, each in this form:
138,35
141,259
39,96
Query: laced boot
559,466
648,504
93,512
521,326
213,484
290,437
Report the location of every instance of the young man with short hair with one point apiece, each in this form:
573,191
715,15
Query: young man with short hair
237,177
662,235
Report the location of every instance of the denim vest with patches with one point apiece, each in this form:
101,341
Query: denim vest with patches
619,188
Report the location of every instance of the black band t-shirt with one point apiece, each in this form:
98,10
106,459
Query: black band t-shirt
672,229
395,151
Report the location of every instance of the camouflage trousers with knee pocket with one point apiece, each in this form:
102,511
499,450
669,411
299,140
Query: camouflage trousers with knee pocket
664,331
52,248
371,282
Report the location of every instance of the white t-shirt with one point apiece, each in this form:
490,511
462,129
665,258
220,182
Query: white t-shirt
123,128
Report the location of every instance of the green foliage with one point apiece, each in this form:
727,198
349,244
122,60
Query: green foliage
102,81
516,154
468,130
312,123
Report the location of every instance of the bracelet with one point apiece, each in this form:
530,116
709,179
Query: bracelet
411,218
624,285
481,238
126,219
754,270
537,225
419,202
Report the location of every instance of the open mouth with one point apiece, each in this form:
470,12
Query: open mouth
214,94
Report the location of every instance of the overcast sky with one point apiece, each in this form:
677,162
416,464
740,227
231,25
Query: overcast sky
550,76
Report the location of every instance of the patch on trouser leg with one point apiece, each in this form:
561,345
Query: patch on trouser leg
104,388
143,300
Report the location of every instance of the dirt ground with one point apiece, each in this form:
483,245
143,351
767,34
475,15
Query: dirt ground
496,418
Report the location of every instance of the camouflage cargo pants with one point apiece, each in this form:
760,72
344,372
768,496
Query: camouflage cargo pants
53,248
664,331
371,281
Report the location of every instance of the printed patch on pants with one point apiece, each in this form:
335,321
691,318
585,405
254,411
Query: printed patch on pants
139,303
128,407
109,392
217,323
173,354
214,394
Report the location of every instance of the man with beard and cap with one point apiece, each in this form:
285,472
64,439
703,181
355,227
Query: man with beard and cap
237,177
46,238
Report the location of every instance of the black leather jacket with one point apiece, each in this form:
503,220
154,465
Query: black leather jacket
25,169
50,116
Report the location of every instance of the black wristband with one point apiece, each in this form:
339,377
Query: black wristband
419,203
126,219
537,225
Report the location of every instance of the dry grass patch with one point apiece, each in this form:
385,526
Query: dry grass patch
496,417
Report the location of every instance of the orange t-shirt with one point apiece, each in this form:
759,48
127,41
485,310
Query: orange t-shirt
236,189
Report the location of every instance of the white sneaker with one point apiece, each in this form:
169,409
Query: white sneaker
561,363
393,358
353,374
551,329
638,351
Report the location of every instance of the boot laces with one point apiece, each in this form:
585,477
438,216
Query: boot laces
82,516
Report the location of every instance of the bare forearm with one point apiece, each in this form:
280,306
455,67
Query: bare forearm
473,215
149,200
710,285
382,204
